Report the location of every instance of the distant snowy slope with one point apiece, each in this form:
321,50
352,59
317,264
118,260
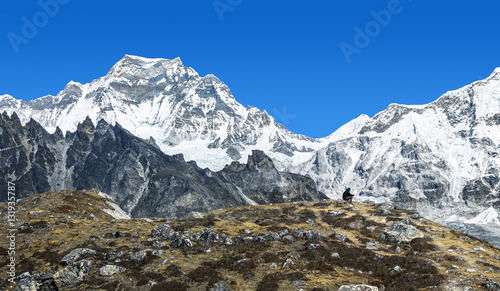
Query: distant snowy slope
441,158
490,215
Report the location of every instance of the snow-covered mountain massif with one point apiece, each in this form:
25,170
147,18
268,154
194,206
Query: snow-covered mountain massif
183,112
441,158
441,155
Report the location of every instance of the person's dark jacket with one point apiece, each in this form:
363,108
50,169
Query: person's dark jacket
347,194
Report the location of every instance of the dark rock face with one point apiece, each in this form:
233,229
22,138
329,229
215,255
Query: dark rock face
73,274
136,174
476,191
268,190
491,285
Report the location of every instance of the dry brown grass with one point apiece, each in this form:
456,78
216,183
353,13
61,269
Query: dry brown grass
440,259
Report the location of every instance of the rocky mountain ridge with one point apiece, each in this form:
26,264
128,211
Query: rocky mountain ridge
143,180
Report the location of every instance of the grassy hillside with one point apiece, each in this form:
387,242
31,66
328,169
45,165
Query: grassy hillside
292,246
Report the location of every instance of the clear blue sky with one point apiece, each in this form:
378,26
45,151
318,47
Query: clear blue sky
281,56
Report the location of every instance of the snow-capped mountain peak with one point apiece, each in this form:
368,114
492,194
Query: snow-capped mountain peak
9,101
348,129
183,112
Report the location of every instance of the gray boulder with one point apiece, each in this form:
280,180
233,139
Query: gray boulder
75,255
358,288
491,285
407,220
73,274
396,270
137,256
308,235
340,237
209,236
27,283
162,232
181,242
292,260
158,244
400,232
272,236
312,246
372,246
110,270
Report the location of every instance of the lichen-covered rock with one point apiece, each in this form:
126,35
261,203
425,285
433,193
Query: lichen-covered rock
208,236
110,270
181,242
401,232
358,288
372,246
75,255
137,256
162,232
491,285
311,235
73,274
272,236
28,283
292,260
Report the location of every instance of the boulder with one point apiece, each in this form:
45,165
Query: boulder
110,270
162,232
358,288
137,256
158,244
73,274
209,236
308,235
75,255
491,285
28,283
396,270
372,246
181,242
292,260
312,246
401,232
272,236
340,237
